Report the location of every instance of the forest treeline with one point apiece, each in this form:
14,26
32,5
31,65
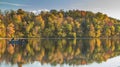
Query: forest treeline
57,24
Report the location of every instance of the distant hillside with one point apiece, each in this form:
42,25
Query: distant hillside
58,24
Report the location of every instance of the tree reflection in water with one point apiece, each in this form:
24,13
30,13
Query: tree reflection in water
60,51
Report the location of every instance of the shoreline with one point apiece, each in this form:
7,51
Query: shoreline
64,38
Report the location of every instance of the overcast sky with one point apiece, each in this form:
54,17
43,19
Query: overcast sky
109,7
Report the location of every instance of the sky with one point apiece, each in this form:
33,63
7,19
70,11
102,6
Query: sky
109,7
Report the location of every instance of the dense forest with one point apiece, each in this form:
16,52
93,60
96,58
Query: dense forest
57,24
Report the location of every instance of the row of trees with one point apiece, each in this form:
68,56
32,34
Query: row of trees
75,52
72,23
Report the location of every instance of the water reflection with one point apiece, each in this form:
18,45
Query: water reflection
60,51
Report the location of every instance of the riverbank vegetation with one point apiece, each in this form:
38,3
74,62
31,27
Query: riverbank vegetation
57,24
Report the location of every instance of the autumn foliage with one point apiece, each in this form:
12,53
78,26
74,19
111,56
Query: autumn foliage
58,24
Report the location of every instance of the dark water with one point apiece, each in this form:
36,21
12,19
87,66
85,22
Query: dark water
60,53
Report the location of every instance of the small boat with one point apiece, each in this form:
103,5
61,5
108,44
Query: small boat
18,42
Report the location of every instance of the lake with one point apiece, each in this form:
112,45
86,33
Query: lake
60,53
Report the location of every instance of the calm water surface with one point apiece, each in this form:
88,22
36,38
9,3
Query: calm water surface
60,53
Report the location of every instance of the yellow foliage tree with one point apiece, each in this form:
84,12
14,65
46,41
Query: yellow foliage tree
40,21
2,30
10,30
91,31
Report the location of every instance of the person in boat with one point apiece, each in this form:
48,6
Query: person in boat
13,42
18,42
